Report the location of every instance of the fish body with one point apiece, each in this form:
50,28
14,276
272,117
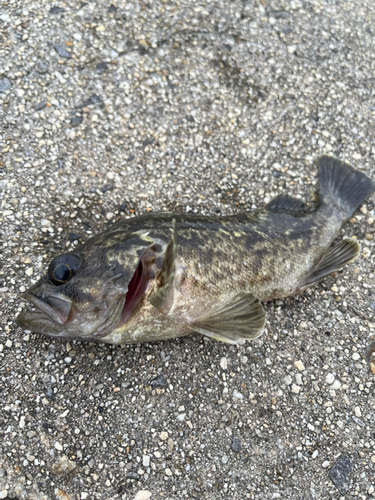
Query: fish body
160,276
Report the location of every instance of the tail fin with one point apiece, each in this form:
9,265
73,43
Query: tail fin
345,186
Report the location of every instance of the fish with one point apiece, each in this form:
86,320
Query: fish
163,275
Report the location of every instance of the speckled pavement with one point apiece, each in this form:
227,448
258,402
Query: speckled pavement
113,110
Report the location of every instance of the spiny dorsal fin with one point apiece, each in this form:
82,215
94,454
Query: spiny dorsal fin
283,203
334,259
240,319
163,298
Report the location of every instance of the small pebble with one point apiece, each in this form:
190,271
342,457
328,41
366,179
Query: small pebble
76,120
288,380
42,67
224,363
107,187
5,85
56,10
339,474
336,385
62,51
74,236
29,271
295,388
330,378
101,67
236,444
299,365
237,394
158,382
143,495
41,105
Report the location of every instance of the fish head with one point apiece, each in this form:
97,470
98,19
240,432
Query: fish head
87,294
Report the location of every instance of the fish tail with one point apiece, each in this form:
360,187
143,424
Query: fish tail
343,185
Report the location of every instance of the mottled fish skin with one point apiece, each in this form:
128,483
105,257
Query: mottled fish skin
212,262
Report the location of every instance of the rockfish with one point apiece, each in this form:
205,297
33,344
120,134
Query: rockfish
162,275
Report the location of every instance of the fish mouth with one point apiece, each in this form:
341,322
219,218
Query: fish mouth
136,288
56,308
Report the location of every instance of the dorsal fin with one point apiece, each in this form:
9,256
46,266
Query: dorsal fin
163,298
283,203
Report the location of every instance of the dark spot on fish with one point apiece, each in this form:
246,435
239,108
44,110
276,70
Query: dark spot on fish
159,262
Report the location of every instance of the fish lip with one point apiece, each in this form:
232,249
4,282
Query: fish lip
58,315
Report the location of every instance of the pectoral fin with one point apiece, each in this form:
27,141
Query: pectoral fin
163,298
241,319
334,259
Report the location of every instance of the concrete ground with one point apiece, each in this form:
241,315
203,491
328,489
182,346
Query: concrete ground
110,110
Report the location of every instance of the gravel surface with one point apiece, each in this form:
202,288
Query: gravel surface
113,110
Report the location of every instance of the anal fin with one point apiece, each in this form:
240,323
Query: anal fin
334,259
243,318
163,298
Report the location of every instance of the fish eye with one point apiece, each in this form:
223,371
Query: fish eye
62,269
